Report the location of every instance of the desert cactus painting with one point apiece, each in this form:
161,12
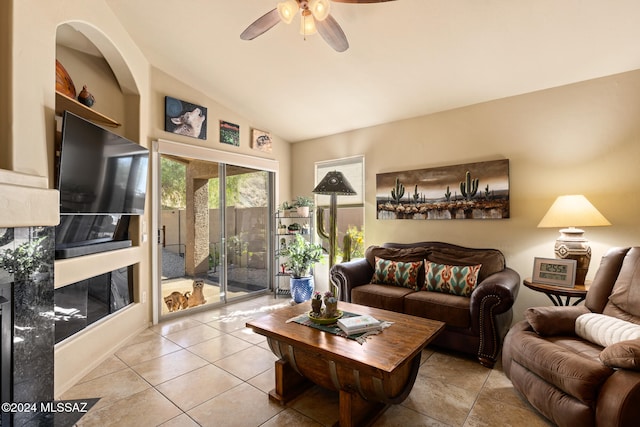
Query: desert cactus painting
483,192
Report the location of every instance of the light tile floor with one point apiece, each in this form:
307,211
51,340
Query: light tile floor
208,369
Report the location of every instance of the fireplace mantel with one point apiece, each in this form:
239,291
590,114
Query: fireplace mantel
26,201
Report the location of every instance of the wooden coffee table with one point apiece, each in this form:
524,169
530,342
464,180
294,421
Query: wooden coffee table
369,377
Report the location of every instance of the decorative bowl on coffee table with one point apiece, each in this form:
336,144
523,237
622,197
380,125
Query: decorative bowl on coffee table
320,320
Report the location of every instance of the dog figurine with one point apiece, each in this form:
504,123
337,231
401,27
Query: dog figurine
176,301
196,298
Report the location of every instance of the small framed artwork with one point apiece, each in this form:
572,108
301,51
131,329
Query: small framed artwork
553,271
229,133
185,118
260,140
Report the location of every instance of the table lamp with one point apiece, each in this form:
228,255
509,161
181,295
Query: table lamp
567,213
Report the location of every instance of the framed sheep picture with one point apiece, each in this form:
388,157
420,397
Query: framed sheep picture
185,118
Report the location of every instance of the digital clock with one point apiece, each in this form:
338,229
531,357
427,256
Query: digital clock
558,272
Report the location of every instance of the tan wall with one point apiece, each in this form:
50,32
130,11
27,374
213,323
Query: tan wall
6,27
583,138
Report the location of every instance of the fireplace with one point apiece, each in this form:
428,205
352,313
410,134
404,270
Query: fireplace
27,321
6,338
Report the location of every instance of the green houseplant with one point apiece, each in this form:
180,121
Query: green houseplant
23,261
287,208
301,255
303,204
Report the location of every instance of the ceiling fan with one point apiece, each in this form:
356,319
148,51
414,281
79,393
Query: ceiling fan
315,17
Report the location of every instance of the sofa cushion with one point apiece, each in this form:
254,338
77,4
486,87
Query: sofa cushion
397,273
380,296
397,254
579,376
624,355
626,290
451,279
492,260
453,310
610,309
577,345
550,321
605,330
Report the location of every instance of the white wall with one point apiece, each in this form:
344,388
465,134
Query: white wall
583,138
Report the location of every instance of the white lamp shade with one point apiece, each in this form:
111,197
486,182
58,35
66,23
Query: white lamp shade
572,211
319,9
307,24
287,10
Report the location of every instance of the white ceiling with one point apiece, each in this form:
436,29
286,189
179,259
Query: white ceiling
407,58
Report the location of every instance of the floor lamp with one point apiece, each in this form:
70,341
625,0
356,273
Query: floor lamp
333,184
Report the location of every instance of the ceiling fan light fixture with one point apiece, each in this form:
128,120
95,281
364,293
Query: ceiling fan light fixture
319,9
307,24
287,10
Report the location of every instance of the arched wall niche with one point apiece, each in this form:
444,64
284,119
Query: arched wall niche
104,46
92,58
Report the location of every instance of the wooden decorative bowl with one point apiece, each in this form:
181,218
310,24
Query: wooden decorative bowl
64,84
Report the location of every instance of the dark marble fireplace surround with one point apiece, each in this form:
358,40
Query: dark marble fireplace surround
26,280
34,317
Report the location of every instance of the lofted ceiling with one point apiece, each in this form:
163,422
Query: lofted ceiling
407,58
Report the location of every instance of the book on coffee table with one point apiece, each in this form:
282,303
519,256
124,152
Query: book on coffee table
359,324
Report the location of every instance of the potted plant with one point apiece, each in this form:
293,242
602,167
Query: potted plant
303,204
301,255
24,260
316,304
287,208
330,304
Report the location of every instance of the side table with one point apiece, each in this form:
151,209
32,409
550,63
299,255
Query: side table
555,293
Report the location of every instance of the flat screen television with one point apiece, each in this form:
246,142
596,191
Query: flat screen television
100,172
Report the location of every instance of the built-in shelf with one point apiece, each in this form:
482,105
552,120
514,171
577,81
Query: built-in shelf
73,270
63,102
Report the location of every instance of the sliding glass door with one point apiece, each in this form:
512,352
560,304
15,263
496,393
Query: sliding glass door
214,227
247,230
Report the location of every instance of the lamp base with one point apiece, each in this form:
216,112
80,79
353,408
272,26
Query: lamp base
572,245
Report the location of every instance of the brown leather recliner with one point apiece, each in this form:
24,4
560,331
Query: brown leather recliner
571,380
475,325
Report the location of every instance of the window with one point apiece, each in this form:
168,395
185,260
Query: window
350,220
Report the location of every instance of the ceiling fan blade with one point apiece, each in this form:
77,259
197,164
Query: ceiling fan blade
361,1
331,32
261,25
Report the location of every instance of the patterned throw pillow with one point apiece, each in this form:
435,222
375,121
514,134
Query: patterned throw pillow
396,273
451,279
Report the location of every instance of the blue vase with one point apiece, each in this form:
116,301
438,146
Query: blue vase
301,289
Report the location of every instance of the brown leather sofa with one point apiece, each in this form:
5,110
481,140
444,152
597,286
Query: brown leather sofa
475,324
571,380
